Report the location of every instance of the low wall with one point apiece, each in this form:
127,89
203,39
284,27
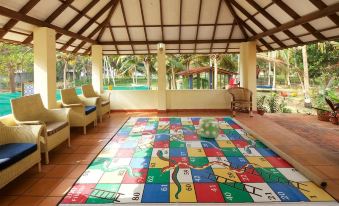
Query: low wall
175,99
134,100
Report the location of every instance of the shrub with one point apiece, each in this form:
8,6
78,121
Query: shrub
272,102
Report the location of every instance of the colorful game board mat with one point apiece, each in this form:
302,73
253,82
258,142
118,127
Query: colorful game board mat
163,160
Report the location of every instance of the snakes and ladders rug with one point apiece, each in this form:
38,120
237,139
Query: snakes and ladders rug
164,160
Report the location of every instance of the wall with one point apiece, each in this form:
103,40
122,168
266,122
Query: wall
176,99
134,100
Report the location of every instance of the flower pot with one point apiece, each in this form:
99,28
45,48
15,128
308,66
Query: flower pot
334,118
323,115
261,111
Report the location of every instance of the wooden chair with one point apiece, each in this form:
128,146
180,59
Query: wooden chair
29,110
241,100
83,110
103,104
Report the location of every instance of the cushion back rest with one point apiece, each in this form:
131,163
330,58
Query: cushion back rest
88,91
69,96
28,108
240,94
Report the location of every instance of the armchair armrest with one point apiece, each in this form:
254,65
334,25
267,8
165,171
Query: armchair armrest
72,105
89,101
37,122
106,96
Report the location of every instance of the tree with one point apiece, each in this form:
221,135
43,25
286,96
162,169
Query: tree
15,58
306,76
68,60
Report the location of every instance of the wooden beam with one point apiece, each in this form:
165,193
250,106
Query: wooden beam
321,5
52,16
256,22
113,39
170,25
215,24
295,16
299,21
180,20
143,23
78,16
172,42
106,21
90,23
24,10
100,27
272,20
30,20
162,21
125,20
237,19
198,26
230,36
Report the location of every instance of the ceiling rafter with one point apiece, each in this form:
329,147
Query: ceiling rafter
230,36
272,20
180,20
100,27
12,22
125,20
300,21
113,38
170,25
257,12
237,19
30,20
242,24
143,23
106,21
294,15
321,5
51,17
89,23
172,42
215,25
256,22
198,25
79,16
162,22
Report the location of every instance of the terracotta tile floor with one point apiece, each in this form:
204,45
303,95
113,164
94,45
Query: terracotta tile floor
300,141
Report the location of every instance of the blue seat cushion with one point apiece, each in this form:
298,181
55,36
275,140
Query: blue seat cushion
90,109
14,152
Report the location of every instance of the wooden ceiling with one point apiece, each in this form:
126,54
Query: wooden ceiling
185,26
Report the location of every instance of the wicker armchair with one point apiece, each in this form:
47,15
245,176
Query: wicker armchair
103,105
241,99
19,150
83,110
29,110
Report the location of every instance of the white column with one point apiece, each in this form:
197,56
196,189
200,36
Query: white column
97,69
248,60
215,72
161,55
45,65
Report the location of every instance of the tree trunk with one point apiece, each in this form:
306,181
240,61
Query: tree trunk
306,77
288,69
148,75
274,70
174,85
65,73
169,82
11,82
269,69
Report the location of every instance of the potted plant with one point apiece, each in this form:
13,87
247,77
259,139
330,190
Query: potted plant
322,108
261,105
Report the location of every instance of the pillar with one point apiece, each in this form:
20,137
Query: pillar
97,69
45,65
161,57
215,72
248,60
